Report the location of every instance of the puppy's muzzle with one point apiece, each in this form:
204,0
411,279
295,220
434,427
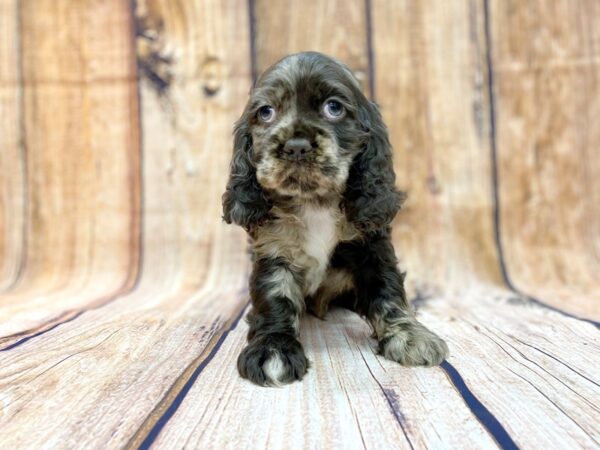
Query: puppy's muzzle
297,149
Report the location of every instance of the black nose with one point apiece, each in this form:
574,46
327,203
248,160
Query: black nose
297,149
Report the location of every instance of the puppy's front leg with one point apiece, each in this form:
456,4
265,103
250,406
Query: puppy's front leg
381,298
401,337
274,356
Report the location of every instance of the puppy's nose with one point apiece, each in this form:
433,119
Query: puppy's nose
297,149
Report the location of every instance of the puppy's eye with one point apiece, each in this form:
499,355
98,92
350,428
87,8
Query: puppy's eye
333,110
266,114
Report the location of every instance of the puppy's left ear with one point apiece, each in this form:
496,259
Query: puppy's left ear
371,199
244,201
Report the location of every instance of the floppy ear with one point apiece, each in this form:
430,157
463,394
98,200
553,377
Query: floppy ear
244,202
371,199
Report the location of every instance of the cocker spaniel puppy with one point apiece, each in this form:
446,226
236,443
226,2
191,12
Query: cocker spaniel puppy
312,182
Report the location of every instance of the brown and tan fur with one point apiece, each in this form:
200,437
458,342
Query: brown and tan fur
312,182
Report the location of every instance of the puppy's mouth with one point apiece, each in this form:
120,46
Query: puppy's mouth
293,177
299,168
301,177
307,180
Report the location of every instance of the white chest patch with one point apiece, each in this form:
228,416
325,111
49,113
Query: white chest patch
320,238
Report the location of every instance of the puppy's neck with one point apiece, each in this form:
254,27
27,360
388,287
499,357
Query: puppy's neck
292,204
316,210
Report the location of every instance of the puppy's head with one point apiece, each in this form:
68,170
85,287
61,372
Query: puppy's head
308,132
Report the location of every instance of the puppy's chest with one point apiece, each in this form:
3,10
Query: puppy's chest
305,239
321,233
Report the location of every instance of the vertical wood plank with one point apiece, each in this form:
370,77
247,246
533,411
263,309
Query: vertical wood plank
547,83
80,124
431,79
193,85
193,60
12,189
82,150
337,28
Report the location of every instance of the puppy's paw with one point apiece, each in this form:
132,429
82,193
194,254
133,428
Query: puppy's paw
414,345
273,360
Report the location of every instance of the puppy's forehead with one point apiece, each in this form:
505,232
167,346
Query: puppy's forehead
306,73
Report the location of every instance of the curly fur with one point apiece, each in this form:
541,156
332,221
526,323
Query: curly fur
244,202
320,224
371,199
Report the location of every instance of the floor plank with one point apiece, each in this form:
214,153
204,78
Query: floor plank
499,359
350,398
135,357
178,363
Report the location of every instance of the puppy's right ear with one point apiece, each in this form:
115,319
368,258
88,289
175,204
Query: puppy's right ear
244,201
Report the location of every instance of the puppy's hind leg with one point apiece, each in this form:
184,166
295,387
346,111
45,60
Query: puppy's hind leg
336,289
274,356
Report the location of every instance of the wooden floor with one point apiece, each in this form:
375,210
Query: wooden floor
164,375
122,293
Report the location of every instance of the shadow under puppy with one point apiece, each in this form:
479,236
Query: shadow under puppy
312,182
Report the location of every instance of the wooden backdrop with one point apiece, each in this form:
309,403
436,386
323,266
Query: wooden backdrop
121,291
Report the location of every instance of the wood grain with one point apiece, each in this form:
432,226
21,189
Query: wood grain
187,121
430,78
337,28
138,345
537,374
12,168
80,150
122,293
351,398
547,106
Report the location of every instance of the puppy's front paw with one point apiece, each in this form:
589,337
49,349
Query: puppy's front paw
273,360
414,345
